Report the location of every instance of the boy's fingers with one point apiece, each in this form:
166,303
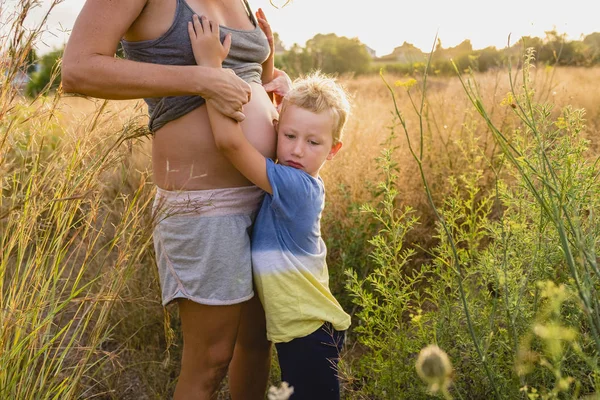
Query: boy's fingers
273,86
198,25
262,14
226,43
266,30
269,87
215,29
264,24
191,30
205,25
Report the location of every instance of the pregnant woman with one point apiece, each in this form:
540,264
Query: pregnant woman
202,247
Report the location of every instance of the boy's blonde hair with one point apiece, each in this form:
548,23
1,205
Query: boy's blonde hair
317,93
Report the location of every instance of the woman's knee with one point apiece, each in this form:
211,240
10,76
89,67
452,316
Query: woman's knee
204,367
202,374
218,356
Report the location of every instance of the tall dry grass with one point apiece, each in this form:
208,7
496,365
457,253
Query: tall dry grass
450,121
75,233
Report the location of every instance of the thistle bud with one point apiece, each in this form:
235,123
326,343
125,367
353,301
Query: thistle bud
434,367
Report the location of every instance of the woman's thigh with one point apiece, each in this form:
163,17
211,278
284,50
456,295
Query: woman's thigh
253,325
249,368
209,334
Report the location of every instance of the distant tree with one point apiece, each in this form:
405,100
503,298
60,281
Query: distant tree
558,50
593,40
516,51
552,49
335,54
592,47
439,52
462,55
487,58
295,61
407,53
465,47
442,59
279,48
48,74
329,53
527,42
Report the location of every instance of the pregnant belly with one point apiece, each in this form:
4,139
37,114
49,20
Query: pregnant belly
184,155
258,125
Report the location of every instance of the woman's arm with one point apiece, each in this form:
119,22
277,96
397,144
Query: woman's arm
89,66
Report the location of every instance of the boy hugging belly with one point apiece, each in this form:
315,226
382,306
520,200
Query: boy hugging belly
304,319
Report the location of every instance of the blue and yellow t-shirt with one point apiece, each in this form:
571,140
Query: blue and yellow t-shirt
288,257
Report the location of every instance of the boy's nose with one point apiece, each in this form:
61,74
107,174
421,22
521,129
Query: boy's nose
298,149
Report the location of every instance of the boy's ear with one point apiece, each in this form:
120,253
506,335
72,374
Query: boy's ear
276,125
334,149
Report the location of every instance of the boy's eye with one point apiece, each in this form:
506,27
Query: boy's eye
289,136
313,142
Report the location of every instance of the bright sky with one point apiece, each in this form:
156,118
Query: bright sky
385,24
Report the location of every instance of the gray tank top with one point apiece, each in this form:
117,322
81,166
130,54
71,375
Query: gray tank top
249,49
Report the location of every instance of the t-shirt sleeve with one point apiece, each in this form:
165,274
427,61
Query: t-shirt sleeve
292,189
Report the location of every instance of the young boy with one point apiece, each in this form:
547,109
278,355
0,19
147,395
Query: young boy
304,320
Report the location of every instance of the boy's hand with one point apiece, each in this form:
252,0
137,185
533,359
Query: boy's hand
206,42
279,86
266,28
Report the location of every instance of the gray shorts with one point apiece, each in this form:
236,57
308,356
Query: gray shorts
202,244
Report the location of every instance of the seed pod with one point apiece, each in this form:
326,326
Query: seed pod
434,367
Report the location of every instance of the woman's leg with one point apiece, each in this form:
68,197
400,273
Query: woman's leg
249,369
209,334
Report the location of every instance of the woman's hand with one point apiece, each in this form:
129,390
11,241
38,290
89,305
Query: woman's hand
227,92
206,42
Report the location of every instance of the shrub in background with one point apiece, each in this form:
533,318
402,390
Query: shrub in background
47,75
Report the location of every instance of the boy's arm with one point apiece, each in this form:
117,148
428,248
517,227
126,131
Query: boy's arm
275,81
230,141
229,138
268,66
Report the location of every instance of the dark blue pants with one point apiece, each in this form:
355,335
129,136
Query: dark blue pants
309,364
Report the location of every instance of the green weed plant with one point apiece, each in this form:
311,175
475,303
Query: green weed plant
510,291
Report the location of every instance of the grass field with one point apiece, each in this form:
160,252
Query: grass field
79,282
466,217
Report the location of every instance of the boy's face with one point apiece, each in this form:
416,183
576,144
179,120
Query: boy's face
304,139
